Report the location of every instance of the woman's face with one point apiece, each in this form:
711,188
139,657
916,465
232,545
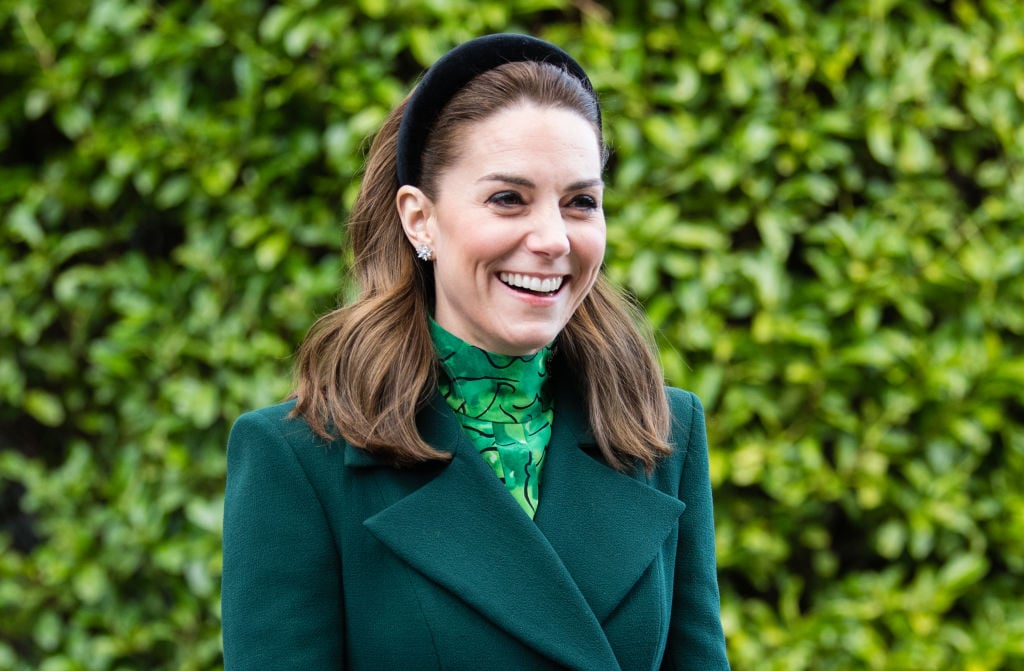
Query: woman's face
517,229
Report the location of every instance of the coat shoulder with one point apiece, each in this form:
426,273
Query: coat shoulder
279,419
687,418
687,436
275,431
277,415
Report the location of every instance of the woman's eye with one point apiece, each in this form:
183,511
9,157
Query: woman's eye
584,202
506,199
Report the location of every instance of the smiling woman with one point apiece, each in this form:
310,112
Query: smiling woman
516,227
480,467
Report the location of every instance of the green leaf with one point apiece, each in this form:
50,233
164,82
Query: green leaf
90,583
45,407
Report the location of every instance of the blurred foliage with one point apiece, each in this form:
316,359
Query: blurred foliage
821,206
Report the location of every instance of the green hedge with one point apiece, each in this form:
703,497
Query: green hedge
821,206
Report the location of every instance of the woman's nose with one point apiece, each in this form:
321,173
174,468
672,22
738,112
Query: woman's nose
549,235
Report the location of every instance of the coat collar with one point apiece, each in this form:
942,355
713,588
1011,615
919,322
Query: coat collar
595,533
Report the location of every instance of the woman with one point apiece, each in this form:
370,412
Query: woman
480,468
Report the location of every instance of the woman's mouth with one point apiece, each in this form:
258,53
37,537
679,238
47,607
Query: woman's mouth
540,286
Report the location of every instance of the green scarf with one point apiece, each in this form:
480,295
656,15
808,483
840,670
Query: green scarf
503,407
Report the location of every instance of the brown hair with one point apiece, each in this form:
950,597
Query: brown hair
366,368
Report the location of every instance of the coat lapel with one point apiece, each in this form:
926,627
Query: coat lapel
463,531
606,526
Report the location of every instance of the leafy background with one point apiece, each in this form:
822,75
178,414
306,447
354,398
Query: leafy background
820,204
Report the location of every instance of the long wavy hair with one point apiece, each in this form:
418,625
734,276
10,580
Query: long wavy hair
367,368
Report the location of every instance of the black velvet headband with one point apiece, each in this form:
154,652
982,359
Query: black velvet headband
453,71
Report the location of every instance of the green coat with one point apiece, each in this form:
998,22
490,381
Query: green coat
334,560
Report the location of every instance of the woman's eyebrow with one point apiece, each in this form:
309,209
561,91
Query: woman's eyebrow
524,182
586,184
508,179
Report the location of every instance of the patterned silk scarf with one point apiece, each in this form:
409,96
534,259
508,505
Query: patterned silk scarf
503,407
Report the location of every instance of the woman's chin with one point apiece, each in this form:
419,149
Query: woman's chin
522,341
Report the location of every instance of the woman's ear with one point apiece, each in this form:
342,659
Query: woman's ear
415,210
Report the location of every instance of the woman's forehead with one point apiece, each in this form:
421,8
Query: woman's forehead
524,135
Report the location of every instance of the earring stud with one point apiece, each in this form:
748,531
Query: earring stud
424,252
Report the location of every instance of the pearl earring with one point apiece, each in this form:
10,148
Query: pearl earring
424,252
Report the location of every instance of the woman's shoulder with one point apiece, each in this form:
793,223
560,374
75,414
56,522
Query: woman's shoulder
684,407
272,413
271,417
273,424
677,395
688,440
687,430
273,444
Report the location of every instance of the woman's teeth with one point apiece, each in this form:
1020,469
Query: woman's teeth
534,284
